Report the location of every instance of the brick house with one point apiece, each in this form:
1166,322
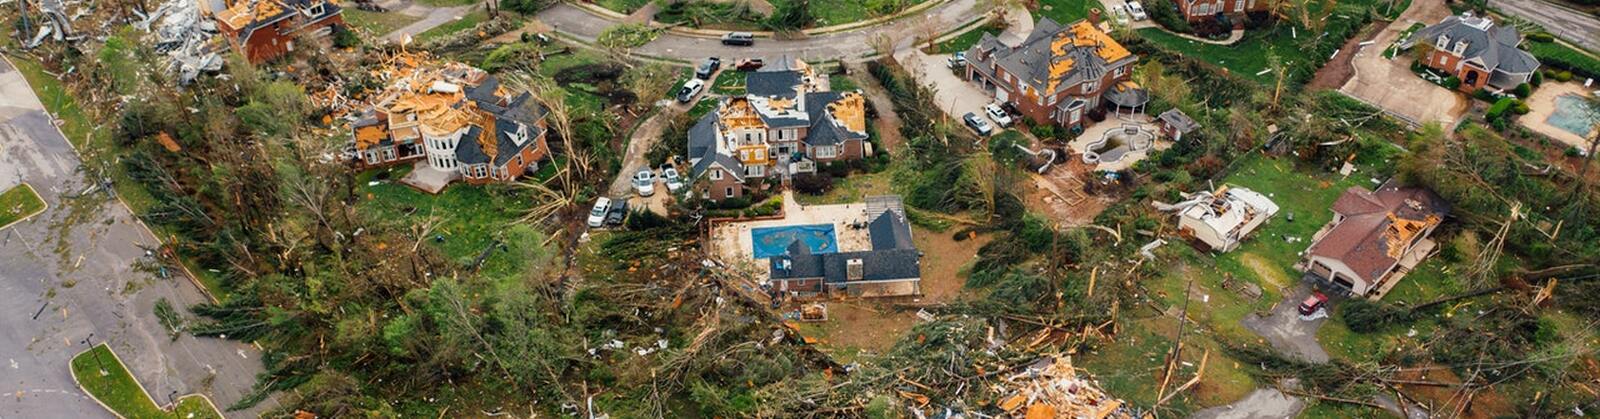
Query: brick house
1058,74
262,30
787,122
892,267
1375,238
1475,50
1233,10
455,118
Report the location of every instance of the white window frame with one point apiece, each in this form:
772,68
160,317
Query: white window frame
1090,86
716,174
827,151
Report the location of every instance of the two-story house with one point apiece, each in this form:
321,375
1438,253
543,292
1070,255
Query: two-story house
1234,10
457,119
262,30
786,122
1058,74
1475,50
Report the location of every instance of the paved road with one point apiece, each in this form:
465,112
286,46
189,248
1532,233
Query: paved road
1572,25
432,17
849,45
76,260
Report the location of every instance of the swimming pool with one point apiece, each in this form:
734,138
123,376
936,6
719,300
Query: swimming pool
1570,116
767,242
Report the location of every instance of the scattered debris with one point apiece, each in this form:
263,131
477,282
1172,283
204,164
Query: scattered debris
1051,388
187,37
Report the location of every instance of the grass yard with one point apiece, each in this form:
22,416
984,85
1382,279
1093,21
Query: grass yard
1065,11
465,22
120,392
622,6
1295,48
728,82
1129,367
447,3
968,39
377,23
849,190
1406,34
17,203
471,219
1556,55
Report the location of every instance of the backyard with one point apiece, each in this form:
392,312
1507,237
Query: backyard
1298,50
377,23
122,394
18,203
472,221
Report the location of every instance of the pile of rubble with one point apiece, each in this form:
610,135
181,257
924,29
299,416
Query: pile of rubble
186,35
1052,388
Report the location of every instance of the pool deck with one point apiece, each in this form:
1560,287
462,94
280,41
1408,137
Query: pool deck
1543,103
1097,131
733,242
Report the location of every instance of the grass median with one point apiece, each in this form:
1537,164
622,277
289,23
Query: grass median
100,373
19,203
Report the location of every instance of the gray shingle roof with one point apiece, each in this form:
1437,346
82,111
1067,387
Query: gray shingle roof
1494,45
889,231
468,151
893,256
772,83
1030,61
1179,121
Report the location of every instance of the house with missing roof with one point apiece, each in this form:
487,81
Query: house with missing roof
1375,238
1221,220
1059,74
1477,51
456,120
892,267
262,30
787,122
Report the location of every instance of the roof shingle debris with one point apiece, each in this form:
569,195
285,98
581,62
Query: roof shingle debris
1051,388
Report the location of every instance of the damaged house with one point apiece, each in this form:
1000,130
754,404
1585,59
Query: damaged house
1059,74
787,122
458,121
1375,238
1221,220
262,30
892,267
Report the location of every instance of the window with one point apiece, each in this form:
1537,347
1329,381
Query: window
1120,71
716,174
1089,86
1076,113
755,170
728,192
1444,42
827,152
1461,47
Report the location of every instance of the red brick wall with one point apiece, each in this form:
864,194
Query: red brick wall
719,188
270,42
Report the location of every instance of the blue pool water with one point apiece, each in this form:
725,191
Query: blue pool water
1569,115
767,242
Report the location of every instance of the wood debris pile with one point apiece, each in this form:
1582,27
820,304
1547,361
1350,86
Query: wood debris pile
1052,388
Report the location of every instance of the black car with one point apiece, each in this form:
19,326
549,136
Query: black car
743,39
617,213
708,68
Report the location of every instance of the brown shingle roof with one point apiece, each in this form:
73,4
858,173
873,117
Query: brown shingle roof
1378,226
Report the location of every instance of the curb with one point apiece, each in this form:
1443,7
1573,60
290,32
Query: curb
35,195
615,17
169,407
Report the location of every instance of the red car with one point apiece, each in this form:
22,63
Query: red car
1313,303
749,64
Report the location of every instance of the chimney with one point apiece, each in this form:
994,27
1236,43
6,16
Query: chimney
853,269
1094,16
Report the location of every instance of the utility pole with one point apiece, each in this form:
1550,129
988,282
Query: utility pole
89,341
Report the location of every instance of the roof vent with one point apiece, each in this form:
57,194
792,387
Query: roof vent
854,269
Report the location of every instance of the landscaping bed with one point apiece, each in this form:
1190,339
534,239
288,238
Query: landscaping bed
18,203
119,392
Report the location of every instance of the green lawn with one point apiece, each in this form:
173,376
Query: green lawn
1065,11
852,189
1395,47
376,23
120,392
729,82
471,218
1555,55
18,203
622,6
967,40
466,22
448,3
1249,56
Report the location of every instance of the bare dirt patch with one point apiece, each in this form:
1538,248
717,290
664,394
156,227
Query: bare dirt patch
1059,195
1487,403
1335,73
1264,270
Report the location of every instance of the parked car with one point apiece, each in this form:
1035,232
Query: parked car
743,39
1315,302
707,68
977,124
597,215
674,183
645,182
957,60
690,90
1137,11
617,214
749,64
998,115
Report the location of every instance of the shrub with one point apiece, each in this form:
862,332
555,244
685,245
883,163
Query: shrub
1452,82
1538,78
1521,108
1165,13
1483,95
1499,108
343,37
526,7
1564,75
1522,90
1541,37
813,183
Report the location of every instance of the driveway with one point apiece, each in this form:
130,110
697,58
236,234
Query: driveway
73,266
1580,28
851,45
1284,329
1389,83
431,16
956,95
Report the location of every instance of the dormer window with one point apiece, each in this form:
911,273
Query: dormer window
1461,47
1444,42
1089,86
